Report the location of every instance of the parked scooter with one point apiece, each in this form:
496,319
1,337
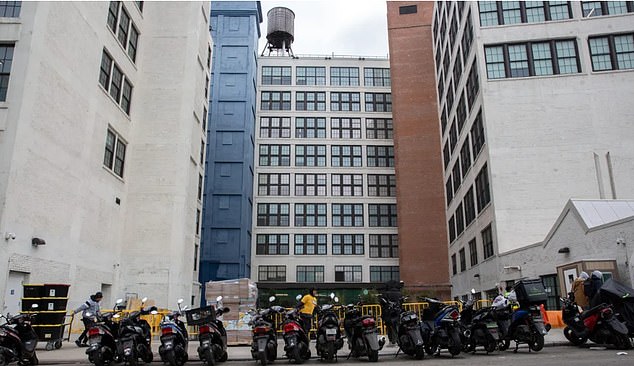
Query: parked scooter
502,310
329,337
211,333
405,325
295,338
135,338
18,339
362,334
441,327
103,338
599,324
481,328
264,344
174,338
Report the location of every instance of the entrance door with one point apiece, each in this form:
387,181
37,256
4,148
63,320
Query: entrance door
569,278
13,293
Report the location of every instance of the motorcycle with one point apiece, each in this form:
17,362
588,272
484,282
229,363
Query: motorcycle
264,344
441,327
481,328
103,338
18,339
211,333
329,337
405,326
295,338
526,326
362,334
599,324
174,338
135,336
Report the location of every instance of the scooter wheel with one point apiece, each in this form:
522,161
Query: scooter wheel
262,358
224,357
622,342
503,345
572,338
420,353
34,360
209,358
373,356
58,344
538,342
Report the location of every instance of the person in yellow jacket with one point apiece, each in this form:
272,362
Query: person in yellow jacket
308,305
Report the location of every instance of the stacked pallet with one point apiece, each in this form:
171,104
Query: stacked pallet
239,295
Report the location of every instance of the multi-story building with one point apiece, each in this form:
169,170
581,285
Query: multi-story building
228,203
534,100
325,188
102,109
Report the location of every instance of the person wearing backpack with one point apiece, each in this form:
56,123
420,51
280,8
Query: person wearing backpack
591,287
578,290
89,310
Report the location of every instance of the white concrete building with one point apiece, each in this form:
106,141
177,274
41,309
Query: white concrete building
535,105
101,127
325,191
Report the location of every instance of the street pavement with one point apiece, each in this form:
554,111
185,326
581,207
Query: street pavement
71,354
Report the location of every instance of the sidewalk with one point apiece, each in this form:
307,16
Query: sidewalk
70,353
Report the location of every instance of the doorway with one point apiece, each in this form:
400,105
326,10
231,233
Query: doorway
14,292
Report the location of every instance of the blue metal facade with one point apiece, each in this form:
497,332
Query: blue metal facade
228,194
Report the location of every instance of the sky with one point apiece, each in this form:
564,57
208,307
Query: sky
342,27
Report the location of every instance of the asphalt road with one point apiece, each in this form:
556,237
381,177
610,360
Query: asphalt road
564,355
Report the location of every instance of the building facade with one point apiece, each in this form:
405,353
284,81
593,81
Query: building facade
534,110
101,128
325,187
228,203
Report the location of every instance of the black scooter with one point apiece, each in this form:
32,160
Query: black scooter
264,344
405,326
18,339
135,336
174,338
213,337
480,328
295,338
362,334
102,338
441,327
329,337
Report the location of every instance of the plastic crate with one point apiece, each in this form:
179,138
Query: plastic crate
53,304
55,290
530,292
49,332
49,318
33,290
201,316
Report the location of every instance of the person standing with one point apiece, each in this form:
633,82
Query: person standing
89,310
577,289
308,305
596,281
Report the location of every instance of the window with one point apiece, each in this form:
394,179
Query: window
514,12
473,252
276,75
275,127
123,27
407,9
376,77
310,244
452,229
457,68
114,156
202,152
344,76
465,156
454,265
346,156
204,124
482,188
310,214
10,9
446,155
347,273
443,119
113,15
453,29
469,207
276,101
383,246
487,242
380,156
384,273
272,273
347,184
463,260
275,155
273,214
310,127
459,220
200,187
310,101
274,184
6,60
449,97
453,137
378,128
612,52
382,215
310,155
347,244
378,102
112,80
310,184
381,185
467,38
532,59
473,85
477,135
598,8
272,244
311,75
345,102
347,215
139,4
449,190
455,173
345,128
310,273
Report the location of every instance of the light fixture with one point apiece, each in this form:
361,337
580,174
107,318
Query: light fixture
564,250
9,236
477,275
518,268
37,242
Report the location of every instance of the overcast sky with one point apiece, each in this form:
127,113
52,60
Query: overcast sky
342,27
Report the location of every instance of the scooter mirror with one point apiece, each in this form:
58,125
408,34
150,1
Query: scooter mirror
153,312
180,301
185,307
88,315
116,316
144,299
225,310
272,298
298,297
332,295
34,306
335,299
473,291
119,301
218,298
